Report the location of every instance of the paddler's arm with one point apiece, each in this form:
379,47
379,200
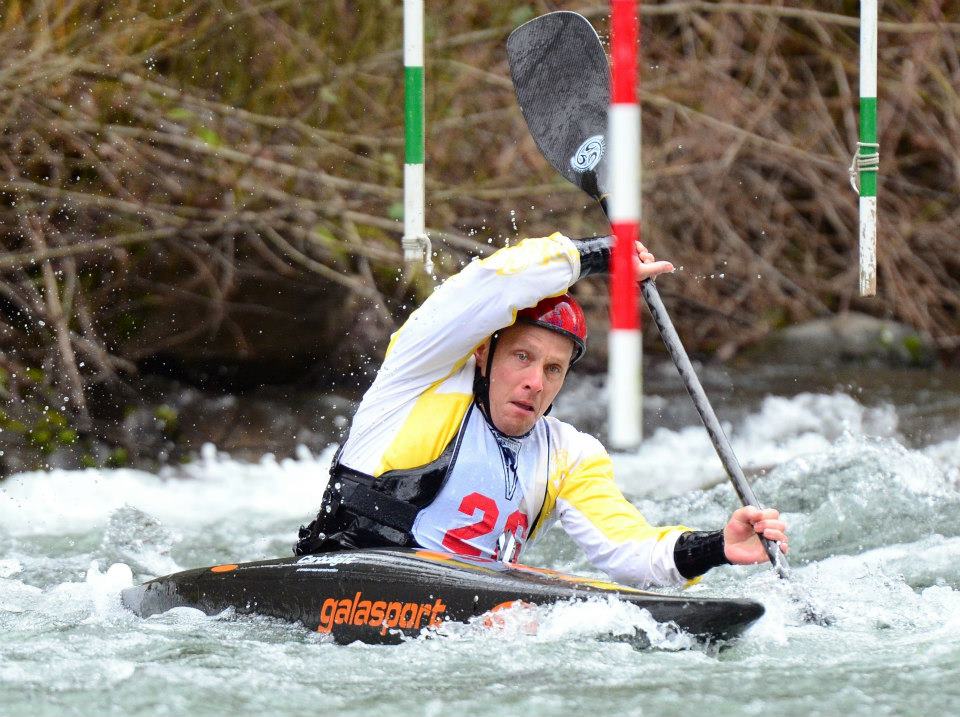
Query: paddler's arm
618,540
612,533
483,298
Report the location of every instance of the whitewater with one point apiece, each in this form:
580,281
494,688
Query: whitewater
874,514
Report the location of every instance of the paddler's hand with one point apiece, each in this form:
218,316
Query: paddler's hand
740,542
646,266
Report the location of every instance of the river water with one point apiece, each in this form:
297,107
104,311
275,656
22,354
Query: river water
866,473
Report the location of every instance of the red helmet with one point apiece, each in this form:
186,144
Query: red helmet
563,315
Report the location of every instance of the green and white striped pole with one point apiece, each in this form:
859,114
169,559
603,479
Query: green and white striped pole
867,159
416,244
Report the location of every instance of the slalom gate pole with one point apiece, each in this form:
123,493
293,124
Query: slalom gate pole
867,158
624,378
416,244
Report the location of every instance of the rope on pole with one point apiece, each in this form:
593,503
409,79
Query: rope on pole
416,243
624,384
866,160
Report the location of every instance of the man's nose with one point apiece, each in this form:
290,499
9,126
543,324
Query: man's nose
533,379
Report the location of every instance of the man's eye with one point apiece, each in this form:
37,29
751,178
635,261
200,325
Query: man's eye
522,355
555,369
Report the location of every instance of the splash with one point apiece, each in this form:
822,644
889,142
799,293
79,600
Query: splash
593,619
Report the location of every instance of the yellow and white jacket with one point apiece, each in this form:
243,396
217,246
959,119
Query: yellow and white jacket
422,399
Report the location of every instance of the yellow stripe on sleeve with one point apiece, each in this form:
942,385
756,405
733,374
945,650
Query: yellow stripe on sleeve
590,489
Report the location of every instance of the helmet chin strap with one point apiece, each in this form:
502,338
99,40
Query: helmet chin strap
481,381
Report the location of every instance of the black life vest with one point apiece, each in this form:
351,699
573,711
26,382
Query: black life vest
360,511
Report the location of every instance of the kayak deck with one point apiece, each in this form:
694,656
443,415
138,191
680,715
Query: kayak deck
383,595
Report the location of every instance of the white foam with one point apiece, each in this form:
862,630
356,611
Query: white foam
212,490
104,588
608,616
16,597
601,617
830,416
947,456
9,567
873,590
674,462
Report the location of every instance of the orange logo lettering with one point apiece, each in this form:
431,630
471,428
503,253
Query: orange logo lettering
379,613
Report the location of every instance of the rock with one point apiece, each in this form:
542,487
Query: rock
272,419
273,331
848,338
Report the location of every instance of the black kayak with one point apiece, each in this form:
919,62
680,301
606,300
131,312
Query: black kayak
381,596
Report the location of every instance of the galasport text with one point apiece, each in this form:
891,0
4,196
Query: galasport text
379,613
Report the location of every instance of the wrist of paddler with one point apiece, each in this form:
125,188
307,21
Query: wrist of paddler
594,255
696,552
595,258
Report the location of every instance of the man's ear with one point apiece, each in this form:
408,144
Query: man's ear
480,354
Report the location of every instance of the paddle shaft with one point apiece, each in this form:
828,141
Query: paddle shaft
702,403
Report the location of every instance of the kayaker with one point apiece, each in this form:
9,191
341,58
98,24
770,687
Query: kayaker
451,448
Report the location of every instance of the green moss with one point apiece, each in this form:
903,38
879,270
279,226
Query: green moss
325,238
932,211
11,424
914,348
181,114
776,317
209,136
118,458
167,417
50,431
42,439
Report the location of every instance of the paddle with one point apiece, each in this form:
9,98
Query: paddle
562,80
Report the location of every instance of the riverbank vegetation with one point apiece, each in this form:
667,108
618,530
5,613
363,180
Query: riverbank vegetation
212,190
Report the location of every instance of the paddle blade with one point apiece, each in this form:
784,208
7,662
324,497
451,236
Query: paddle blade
562,80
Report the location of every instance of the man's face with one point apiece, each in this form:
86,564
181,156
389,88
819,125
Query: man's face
529,365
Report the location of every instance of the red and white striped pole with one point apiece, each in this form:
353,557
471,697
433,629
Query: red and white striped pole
624,377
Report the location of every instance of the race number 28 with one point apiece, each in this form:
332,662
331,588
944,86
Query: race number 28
456,539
